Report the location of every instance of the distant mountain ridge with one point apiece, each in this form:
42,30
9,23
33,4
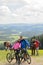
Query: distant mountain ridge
27,30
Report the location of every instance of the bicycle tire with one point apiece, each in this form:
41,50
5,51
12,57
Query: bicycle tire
18,59
8,57
13,55
28,59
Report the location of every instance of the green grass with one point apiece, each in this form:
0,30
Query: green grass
40,52
3,54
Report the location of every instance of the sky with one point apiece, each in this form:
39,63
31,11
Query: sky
21,11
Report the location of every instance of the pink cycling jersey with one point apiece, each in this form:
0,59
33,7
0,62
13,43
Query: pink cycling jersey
16,46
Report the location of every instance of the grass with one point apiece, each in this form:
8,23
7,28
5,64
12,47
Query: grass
3,54
41,52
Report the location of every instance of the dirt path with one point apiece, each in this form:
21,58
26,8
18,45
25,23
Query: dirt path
34,61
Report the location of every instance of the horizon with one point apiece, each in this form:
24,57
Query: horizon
21,24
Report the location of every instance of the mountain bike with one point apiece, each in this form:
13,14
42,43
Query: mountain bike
25,56
20,56
12,55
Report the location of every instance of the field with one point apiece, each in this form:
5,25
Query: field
10,38
35,59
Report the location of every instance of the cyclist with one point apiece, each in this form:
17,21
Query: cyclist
16,47
24,44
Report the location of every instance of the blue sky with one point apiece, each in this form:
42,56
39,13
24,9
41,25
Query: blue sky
21,11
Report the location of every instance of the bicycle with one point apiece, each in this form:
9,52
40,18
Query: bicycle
20,56
12,55
25,56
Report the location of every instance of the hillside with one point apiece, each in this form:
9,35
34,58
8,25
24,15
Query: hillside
9,31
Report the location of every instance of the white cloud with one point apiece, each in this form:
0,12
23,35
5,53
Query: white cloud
21,11
3,2
4,11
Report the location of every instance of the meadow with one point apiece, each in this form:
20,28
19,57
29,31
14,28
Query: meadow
3,54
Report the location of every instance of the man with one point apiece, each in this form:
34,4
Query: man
33,46
24,45
37,44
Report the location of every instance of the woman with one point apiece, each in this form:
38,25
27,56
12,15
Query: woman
16,47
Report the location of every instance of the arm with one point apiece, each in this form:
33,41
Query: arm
27,43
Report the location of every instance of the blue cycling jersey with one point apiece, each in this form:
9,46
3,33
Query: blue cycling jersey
24,43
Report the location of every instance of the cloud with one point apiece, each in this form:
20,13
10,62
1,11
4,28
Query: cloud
3,2
4,11
21,11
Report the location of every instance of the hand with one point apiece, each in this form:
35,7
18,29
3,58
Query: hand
29,47
11,49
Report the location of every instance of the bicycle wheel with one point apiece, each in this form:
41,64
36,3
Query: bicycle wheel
9,57
18,62
13,55
28,59
18,59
